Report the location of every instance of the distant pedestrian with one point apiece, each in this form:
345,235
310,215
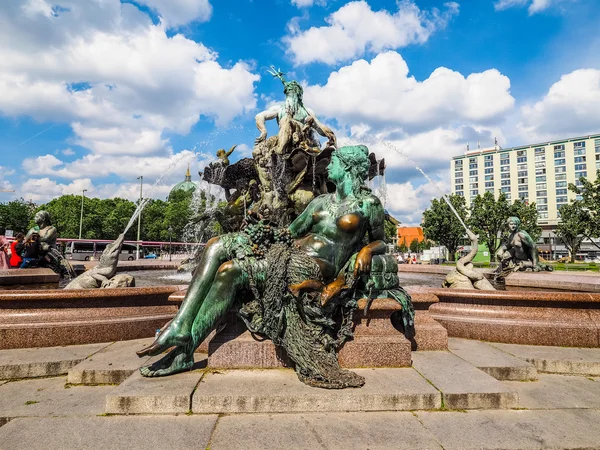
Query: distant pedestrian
4,248
16,248
414,260
31,252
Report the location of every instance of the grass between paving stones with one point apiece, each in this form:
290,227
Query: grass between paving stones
443,405
31,402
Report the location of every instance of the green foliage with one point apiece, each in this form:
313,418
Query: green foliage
590,201
414,245
488,219
575,223
391,231
16,215
441,225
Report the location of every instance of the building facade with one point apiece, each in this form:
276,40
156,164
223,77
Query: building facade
538,173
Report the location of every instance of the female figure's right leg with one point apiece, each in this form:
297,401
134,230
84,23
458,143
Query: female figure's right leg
178,332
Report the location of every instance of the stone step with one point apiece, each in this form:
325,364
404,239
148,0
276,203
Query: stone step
161,395
278,391
43,362
564,360
112,365
492,361
462,385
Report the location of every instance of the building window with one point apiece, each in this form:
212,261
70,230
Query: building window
559,147
580,144
597,164
504,176
472,179
559,162
489,170
472,166
522,153
542,201
505,189
490,190
472,160
559,155
508,196
474,193
542,215
560,184
561,192
578,183
540,171
540,150
597,145
540,186
461,193
579,159
458,187
505,182
540,158
505,169
542,207
562,199
581,174
580,166
561,176
523,196
474,185
472,172
540,179
489,177
560,169
488,164
489,184
488,157
522,173
522,180
540,164
505,160
521,166
523,188
458,180
541,193
522,159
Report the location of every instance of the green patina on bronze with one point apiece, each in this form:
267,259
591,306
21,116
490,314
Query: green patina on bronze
299,284
518,252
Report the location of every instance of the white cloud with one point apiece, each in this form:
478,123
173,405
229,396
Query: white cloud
180,12
308,3
119,80
355,29
68,152
44,189
570,108
407,202
381,94
535,6
156,169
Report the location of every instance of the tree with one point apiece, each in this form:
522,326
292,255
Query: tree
488,219
590,201
391,231
16,215
573,226
414,245
441,225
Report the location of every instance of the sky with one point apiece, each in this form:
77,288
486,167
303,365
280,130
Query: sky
96,93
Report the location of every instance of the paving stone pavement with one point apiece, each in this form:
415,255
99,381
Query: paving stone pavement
555,411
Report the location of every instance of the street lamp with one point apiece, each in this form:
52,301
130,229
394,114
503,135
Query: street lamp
81,216
170,241
137,245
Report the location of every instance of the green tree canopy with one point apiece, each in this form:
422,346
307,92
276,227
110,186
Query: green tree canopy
414,245
442,226
590,201
573,227
16,215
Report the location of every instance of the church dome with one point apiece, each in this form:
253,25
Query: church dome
186,185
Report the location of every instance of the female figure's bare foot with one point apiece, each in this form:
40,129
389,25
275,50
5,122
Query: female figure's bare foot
169,337
177,360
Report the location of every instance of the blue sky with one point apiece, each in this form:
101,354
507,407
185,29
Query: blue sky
94,94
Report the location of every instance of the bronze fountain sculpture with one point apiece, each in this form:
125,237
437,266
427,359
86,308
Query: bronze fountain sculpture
297,284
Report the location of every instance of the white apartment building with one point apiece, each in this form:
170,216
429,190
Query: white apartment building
539,173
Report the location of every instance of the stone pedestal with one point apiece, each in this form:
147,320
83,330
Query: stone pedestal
377,343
